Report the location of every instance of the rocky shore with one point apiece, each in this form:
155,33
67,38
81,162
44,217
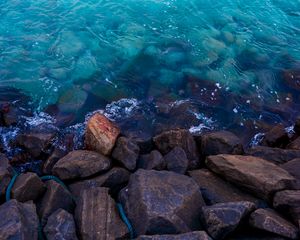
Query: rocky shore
174,185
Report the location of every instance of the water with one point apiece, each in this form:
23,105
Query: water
150,63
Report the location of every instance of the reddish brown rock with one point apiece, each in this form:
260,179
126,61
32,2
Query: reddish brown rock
52,159
250,172
276,137
97,217
268,220
295,145
293,167
152,161
177,161
5,174
80,164
199,235
101,134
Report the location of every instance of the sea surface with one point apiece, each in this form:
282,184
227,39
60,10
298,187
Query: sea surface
154,64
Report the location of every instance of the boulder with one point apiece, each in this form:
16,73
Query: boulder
161,202
97,217
52,159
126,153
56,197
275,155
145,144
276,137
250,173
222,142
268,220
5,174
60,225
198,235
288,202
292,167
223,218
154,160
115,180
18,221
28,186
101,134
177,161
216,190
80,164
168,140
295,145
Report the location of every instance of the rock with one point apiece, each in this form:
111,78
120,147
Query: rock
177,161
154,160
115,180
11,117
161,202
168,140
288,202
18,221
199,235
145,145
297,126
60,225
295,145
80,164
268,220
292,78
126,152
222,142
250,172
292,167
56,197
97,217
101,134
5,174
276,137
275,155
28,186
223,218
52,160
216,190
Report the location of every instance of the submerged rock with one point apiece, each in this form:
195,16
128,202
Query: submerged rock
177,161
152,161
161,202
199,235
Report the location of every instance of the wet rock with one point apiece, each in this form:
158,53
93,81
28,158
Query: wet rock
161,202
52,160
5,174
199,235
126,153
97,217
18,221
222,142
80,164
292,78
168,140
115,180
288,202
223,218
268,220
275,155
60,225
56,197
295,145
153,160
216,190
250,173
145,145
297,126
101,134
11,117
292,167
276,137
177,161
28,186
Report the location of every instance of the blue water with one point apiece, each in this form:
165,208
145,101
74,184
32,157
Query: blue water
217,61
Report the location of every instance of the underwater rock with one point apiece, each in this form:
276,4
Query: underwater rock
161,202
72,100
176,160
198,235
292,78
152,161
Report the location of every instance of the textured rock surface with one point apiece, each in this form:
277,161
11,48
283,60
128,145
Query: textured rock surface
199,235
177,161
101,134
216,190
222,142
223,218
292,167
28,186
270,221
295,145
276,137
126,153
52,159
154,160
97,217
161,202
60,226
80,164
168,140
250,173
18,221
5,174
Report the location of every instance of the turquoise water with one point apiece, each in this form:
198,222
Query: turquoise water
228,57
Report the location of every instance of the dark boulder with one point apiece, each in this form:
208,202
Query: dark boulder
5,175
276,137
80,164
52,160
295,145
223,218
154,160
177,161
297,126
292,167
161,202
268,220
97,217
126,152
18,221
60,225
199,235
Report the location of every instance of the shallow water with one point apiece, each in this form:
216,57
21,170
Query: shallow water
192,63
